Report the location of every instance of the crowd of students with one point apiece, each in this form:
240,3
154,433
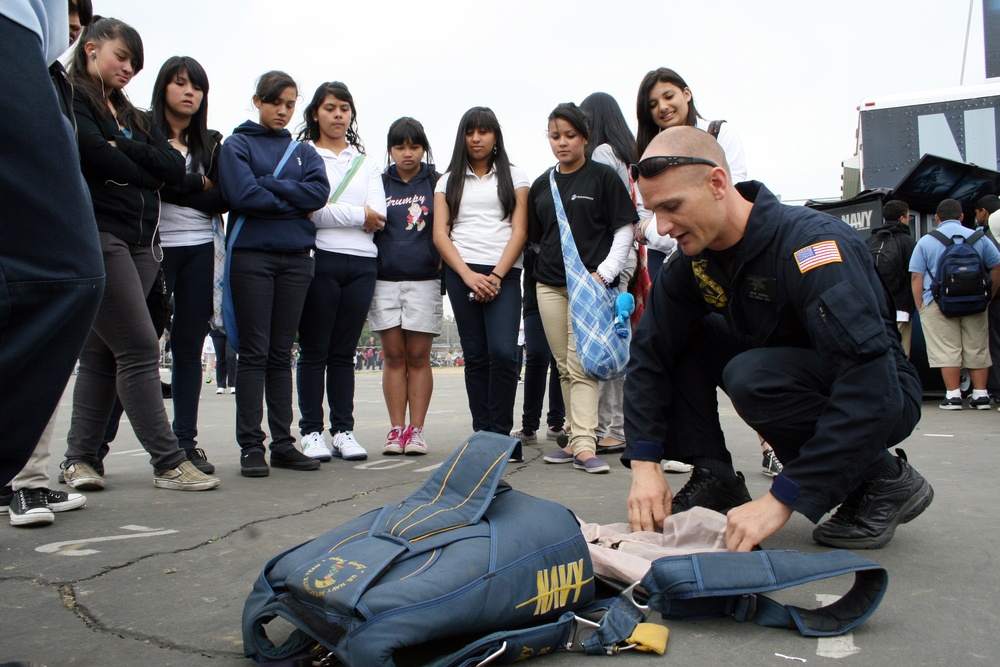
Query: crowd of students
320,238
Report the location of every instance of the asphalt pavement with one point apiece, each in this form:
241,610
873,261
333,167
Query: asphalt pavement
152,577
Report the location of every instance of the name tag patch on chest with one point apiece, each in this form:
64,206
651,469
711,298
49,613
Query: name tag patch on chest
817,254
761,289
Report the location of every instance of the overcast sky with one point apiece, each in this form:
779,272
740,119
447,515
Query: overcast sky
788,74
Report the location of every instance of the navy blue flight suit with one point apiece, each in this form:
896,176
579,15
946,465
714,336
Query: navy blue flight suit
801,337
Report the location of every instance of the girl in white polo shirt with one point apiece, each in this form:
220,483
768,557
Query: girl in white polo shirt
342,287
480,226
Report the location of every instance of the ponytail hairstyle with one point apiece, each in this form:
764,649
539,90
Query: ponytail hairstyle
483,119
608,126
310,130
407,130
100,31
271,84
195,136
647,126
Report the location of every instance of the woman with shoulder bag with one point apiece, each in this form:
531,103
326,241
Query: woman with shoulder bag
273,184
342,289
601,216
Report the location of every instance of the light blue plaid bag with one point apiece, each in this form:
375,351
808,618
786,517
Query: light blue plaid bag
603,352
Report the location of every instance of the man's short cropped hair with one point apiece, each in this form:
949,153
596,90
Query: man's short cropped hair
949,209
991,203
894,209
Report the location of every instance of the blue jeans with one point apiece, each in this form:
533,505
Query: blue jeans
188,271
51,273
488,332
538,363
269,289
332,320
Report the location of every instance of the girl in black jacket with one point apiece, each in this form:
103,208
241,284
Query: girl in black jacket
192,235
126,160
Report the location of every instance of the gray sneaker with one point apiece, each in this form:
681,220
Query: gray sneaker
185,477
80,475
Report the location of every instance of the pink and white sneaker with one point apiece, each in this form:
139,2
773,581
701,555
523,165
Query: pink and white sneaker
414,444
394,441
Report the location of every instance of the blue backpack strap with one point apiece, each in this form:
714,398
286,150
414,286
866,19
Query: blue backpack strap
228,315
601,628
720,584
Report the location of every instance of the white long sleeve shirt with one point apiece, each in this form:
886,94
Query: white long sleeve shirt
340,225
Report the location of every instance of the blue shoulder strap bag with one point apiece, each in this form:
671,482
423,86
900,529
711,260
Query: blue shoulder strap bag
601,346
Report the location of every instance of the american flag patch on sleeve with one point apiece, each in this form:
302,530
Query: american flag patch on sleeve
818,254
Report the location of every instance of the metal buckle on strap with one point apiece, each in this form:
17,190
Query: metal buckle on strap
493,656
629,595
583,628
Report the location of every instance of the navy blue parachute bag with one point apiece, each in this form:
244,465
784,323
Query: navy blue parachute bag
228,312
449,569
962,285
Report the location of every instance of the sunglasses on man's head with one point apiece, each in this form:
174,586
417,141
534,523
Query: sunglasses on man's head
658,164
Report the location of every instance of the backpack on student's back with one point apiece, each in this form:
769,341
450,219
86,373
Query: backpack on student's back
886,253
962,285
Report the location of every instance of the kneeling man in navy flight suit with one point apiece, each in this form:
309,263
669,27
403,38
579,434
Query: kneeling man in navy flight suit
781,307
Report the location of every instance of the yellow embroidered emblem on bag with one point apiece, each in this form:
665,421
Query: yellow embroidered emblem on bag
817,254
711,291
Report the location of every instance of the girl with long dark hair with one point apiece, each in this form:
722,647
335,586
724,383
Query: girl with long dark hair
191,233
665,100
407,309
480,225
601,218
271,266
611,143
126,161
342,288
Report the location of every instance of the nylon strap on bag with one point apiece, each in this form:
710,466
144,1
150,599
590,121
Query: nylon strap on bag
724,584
348,177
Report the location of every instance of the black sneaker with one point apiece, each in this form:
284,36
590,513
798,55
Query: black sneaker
951,403
252,464
981,403
771,466
706,489
197,456
30,507
294,460
868,517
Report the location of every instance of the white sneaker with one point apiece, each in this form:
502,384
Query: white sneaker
677,466
346,447
414,438
232,390
220,390
314,446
